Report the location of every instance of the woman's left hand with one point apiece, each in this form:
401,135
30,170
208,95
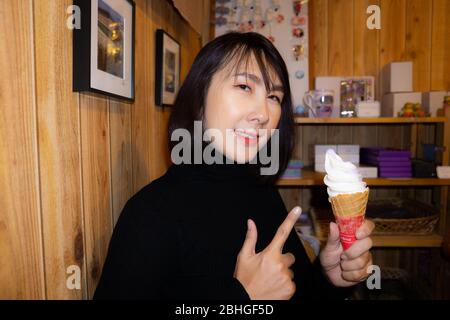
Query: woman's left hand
347,268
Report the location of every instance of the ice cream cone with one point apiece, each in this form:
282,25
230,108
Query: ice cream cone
349,211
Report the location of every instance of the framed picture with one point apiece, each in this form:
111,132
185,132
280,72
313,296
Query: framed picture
167,68
103,48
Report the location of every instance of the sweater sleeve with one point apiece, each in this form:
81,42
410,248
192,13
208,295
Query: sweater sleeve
135,266
141,263
206,288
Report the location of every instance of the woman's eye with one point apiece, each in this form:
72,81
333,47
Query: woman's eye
275,98
243,87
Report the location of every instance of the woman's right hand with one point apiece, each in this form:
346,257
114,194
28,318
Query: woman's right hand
266,275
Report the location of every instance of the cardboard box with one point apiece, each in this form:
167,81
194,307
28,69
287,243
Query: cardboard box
353,158
394,102
432,101
368,109
397,77
348,152
347,148
319,167
368,171
321,149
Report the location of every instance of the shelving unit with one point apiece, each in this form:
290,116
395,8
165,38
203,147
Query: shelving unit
310,178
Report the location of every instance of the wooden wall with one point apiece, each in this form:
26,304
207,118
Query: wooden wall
342,45
69,161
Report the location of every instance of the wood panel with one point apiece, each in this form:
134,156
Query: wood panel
318,39
21,263
392,33
140,131
340,38
440,46
121,155
418,41
366,43
162,19
95,157
59,150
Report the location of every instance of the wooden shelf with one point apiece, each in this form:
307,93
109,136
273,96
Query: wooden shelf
382,120
311,178
405,241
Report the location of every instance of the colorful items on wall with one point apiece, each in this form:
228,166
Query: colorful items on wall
283,22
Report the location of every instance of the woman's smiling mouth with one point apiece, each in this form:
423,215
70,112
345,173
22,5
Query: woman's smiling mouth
249,138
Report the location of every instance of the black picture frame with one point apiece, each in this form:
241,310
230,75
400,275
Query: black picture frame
98,68
167,68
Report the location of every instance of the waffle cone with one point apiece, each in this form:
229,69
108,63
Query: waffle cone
350,205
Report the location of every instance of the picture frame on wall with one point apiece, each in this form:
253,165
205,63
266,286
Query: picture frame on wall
167,73
103,48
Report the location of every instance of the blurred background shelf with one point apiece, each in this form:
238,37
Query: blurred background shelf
385,120
312,178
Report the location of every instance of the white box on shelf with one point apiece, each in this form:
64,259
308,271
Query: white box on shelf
432,101
368,171
351,157
368,109
394,102
319,167
397,76
347,148
321,149
443,172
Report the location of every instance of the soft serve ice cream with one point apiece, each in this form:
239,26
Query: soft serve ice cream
341,177
348,195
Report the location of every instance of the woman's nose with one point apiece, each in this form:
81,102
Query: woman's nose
260,113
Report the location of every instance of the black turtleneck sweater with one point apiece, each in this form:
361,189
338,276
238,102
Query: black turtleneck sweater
179,237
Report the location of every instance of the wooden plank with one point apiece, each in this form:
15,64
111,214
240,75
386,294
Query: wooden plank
21,266
318,39
440,46
312,178
413,241
96,184
366,43
59,150
160,14
121,155
340,38
392,33
141,131
418,42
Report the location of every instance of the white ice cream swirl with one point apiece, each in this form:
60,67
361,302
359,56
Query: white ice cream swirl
341,177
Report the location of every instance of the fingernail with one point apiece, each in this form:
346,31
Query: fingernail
296,210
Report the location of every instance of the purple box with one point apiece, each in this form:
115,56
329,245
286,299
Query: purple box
396,175
395,164
388,170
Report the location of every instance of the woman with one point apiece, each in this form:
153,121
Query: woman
221,231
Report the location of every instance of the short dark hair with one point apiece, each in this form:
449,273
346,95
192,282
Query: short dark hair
189,105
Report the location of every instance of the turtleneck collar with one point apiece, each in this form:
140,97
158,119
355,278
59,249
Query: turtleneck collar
220,172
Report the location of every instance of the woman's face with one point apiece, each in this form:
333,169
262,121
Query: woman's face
242,111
